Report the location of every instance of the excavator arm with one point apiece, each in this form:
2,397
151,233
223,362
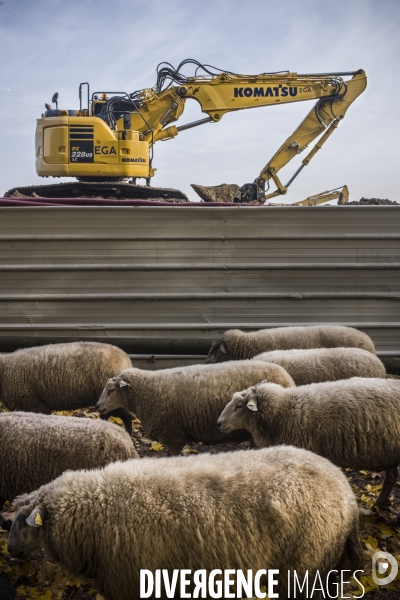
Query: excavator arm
341,194
324,118
228,92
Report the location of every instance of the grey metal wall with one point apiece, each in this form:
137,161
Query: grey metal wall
168,280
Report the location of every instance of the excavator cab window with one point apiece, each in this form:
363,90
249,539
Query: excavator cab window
54,112
97,106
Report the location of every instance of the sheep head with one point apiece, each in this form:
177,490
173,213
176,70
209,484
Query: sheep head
225,348
238,413
112,396
25,532
254,410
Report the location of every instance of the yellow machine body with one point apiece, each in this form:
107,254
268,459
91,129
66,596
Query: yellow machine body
86,147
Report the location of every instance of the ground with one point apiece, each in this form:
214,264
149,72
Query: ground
42,580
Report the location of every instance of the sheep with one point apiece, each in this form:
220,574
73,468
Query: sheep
60,376
354,422
35,449
280,508
238,345
326,364
179,405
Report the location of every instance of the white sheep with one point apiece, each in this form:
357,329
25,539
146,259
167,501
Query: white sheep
355,422
35,449
278,508
60,376
238,345
179,405
325,364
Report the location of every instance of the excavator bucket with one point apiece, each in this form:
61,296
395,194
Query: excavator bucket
217,193
344,196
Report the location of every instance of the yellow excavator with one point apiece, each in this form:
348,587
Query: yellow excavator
109,143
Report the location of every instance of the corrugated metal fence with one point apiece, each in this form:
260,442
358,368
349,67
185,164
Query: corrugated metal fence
162,280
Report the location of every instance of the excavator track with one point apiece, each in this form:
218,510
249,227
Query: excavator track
98,189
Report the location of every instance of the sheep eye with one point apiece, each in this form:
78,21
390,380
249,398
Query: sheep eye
238,406
109,392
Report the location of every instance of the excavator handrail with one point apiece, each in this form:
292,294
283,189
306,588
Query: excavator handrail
335,74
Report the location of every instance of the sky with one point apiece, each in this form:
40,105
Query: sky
53,45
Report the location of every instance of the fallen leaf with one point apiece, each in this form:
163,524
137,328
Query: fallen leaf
368,583
385,529
116,420
372,489
371,542
369,502
156,446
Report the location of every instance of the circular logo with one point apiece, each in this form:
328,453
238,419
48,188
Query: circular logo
384,568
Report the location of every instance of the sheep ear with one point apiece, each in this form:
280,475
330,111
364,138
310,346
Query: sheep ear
123,383
252,405
36,517
223,349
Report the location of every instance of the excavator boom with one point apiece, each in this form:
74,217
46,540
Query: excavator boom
228,92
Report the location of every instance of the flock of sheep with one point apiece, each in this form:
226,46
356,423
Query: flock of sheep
308,398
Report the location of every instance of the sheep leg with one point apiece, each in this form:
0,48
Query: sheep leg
126,418
388,483
353,556
174,450
124,415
